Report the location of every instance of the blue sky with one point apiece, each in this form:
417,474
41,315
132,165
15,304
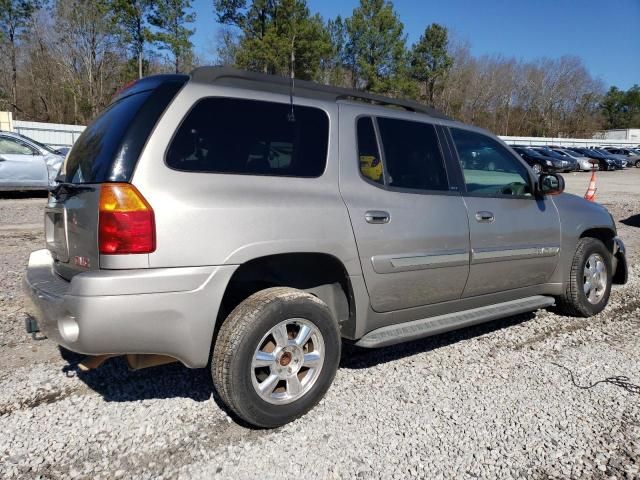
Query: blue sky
605,33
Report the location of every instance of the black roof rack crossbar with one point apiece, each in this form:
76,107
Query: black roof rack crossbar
303,88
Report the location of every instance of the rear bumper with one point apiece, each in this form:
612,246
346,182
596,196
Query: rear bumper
169,311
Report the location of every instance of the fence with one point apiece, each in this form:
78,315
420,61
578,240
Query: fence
62,135
569,142
54,134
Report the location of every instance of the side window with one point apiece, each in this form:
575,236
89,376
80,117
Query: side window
9,146
368,152
226,135
412,155
489,169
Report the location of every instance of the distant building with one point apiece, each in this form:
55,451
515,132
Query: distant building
631,134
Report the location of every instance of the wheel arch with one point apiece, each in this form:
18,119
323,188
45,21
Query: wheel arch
321,274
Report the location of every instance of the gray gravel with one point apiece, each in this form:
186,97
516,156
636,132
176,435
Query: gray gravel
485,402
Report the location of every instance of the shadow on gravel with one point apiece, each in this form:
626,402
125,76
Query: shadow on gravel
632,221
116,383
25,194
356,357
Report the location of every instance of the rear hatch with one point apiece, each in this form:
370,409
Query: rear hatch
107,151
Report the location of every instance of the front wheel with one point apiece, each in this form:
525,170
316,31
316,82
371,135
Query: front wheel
589,284
638,163
275,356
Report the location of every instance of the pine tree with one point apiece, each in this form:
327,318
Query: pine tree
170,17
131,21
430,60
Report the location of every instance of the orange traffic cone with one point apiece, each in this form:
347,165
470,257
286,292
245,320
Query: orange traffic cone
591,191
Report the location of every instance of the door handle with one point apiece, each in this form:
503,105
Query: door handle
485,217
377,216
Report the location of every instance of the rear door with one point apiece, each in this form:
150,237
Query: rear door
515,237
410,226
21,165
107,151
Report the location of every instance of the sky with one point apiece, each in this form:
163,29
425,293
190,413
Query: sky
604,33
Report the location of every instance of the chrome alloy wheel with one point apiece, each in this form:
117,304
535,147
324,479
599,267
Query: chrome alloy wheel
537,168
287,361
595,278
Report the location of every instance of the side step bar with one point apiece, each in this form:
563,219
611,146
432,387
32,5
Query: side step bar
404,332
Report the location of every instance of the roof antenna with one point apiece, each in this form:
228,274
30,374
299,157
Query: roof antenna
292,84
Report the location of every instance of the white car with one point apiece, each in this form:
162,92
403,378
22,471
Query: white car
584,163
26,164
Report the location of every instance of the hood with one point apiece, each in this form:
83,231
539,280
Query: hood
53,162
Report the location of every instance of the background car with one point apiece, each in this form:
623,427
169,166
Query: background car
621,160
603,162
569,164
26,164
537,161
633,155
584,163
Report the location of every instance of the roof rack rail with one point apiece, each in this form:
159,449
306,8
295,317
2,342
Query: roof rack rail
303,88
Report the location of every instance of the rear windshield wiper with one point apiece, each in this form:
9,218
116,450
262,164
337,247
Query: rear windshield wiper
69,188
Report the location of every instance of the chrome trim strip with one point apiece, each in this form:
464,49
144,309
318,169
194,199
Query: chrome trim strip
499,254
419,261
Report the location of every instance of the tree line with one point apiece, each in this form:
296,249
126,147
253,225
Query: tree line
63,60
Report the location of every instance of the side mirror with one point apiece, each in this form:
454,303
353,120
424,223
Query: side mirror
550,184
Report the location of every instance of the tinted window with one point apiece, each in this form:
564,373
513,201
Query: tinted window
368,153
9,146
488,167
224,135
412,155
108,149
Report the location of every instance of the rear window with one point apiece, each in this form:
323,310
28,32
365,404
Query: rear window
108,149
224,135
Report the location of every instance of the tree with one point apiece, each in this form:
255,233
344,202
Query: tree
377,49
131,17
15,16
276,36
335,65
621,109
169,17
430,60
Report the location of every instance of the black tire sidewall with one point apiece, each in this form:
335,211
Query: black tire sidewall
594,246
250,406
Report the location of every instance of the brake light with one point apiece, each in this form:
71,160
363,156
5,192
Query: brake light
126,222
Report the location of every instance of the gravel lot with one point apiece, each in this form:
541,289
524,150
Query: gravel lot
485,402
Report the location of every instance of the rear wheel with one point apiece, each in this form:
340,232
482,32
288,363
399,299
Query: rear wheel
638,163
275,356
589,283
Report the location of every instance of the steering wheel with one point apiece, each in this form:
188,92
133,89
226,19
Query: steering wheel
515,189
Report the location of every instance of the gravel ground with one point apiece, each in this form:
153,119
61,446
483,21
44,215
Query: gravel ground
494,401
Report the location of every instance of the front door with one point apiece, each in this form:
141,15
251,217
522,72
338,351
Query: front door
20,165
515,237
411,229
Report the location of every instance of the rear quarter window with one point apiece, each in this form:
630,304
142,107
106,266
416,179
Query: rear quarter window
234,136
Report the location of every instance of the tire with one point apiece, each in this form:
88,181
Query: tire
537,168
637,163
252,348
581,301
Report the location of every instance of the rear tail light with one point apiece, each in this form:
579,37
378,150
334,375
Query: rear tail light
126,223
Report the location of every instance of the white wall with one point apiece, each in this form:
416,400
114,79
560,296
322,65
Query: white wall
54,134
568,142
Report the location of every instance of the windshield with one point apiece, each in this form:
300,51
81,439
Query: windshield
108,149
41,145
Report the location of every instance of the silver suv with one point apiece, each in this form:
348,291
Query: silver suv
226,219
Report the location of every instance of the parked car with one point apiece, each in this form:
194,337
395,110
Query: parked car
214,220
584,163
537,161
26,164
633,156
569,164
604,163
620,160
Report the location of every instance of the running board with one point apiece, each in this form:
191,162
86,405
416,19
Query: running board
404,332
